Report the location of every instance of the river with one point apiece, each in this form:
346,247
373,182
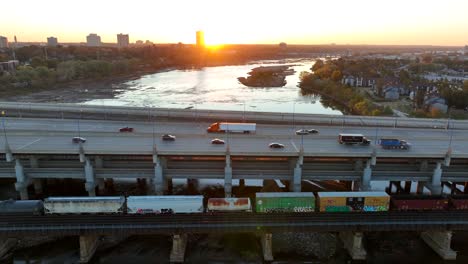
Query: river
217,88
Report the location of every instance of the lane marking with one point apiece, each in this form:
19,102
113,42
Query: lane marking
30,143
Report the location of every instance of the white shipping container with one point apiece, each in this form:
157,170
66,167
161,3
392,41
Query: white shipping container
164,204
84,205
229,204
238,127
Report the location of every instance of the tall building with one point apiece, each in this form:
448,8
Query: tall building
3,42
123,40
93,40
200,39
52,42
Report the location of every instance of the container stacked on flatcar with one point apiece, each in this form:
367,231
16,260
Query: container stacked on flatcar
419,202
84,205
284,202
26,207
458,202
168,204
353,201
229,205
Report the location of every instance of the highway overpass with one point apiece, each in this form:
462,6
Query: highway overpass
41,148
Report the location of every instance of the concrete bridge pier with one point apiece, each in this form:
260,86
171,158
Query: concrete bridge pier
179,244
88,246
228,176
159,179
297,175
436,183
420,187
38,186
366,177
353,243
34,163
267,247
192,184
90,184
22,181
440,241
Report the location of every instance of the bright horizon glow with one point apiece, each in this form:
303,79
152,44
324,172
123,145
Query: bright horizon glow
398,22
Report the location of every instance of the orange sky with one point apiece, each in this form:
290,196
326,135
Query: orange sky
395,22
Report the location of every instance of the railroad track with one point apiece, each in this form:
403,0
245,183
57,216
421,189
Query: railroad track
207,223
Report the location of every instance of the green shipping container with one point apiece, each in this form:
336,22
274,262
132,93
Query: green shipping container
284,202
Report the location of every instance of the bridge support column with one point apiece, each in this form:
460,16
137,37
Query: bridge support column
98,163
38,186
179,243
228,176
159,180
267,248
420,187
34,163
90,184
22,181
353,243
356,186
366,177
88,245
297,176
436,183
439,241
7,244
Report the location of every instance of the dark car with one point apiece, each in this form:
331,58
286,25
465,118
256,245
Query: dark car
168,137
312,131
78,140
217,141
276,145
126,129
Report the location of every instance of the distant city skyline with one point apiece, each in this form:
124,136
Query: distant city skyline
397,22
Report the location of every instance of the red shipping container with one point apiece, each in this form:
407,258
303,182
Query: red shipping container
459,202
419,203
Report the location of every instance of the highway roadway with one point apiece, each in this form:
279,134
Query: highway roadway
54,136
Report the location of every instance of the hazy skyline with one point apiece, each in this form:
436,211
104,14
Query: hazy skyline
395,22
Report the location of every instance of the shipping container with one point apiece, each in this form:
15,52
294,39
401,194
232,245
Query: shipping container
353,201
84,205
419,203
229,204
284,202
459,202
167,204
26,207
232,127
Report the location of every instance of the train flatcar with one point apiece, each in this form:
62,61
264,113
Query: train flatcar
284,202
167,204
229,205
419,202
26,207
458,202
84,205
353,201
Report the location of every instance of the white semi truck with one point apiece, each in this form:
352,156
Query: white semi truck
232,128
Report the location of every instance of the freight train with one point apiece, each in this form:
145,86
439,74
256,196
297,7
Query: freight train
264,203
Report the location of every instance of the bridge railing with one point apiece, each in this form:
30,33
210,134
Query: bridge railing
101,112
